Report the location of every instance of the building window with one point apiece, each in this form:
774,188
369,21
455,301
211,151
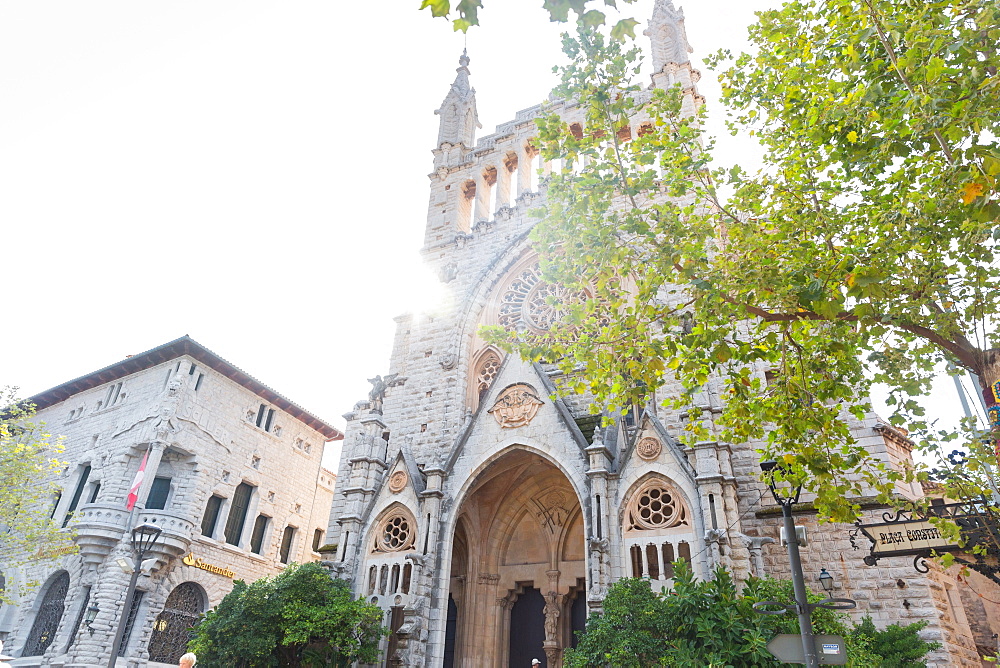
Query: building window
50,613
79,617
172,630
286,544
211,517
80,485
238,513
133,614
656,507
158,493
265,417
95,489
114,395
317,539
56,498
257,537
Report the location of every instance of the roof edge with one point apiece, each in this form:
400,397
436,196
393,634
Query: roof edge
184,345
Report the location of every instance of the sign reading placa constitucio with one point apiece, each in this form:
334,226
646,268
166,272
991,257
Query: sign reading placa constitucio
906,537
197,562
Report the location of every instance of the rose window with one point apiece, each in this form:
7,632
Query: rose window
396,534
656,507
538,304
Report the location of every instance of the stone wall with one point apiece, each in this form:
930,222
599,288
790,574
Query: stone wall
200,429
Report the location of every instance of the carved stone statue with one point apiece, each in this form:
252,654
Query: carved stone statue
379,386
551,613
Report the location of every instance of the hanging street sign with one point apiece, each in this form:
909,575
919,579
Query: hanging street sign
904,537
787,648
908,533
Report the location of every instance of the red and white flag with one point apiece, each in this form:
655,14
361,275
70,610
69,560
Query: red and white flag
133,492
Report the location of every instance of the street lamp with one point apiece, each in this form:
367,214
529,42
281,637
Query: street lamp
143,539
803,608
90,616
826,580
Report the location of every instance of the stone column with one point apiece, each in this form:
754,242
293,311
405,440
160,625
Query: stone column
599,460
552,611
524,160
482,211
504,169
366,473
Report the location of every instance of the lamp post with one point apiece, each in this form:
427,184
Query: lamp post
143,538
802,607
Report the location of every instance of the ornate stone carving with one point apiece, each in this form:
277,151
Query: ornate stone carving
379,386
656,506
553,509
516,406
552,610
488,578
530,300
397,481
649,448
449,361
667,36
486,371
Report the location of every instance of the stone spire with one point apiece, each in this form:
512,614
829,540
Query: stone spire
667,35
459,118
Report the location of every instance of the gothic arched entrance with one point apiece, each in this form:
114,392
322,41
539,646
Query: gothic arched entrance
517,559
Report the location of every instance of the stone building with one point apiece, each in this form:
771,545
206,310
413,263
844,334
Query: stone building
233,477
488,515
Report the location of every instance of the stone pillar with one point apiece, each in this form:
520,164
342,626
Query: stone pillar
366,473
755,545
599,543
504,169
482,211
552,611
524,160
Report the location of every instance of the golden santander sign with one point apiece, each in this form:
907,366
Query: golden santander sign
197,562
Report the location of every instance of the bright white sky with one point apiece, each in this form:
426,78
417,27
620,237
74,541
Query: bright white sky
250,173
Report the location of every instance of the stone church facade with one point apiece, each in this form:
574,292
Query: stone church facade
233,477
488,514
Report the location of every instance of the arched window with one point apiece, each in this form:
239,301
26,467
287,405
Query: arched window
395,533
658,529
47,619
484,374
172,628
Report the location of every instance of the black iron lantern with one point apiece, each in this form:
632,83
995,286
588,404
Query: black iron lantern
144,537
826,580
89,616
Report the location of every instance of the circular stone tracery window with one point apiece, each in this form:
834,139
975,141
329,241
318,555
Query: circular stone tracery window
656,507
396,534
534,302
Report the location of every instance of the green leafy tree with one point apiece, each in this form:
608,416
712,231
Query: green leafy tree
28,463
864,249
300,617
706,623
898,646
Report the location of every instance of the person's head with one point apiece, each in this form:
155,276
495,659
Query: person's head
536,662
188,660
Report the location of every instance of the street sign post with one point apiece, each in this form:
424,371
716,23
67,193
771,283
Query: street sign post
787,648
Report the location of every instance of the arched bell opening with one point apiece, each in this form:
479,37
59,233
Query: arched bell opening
518,565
